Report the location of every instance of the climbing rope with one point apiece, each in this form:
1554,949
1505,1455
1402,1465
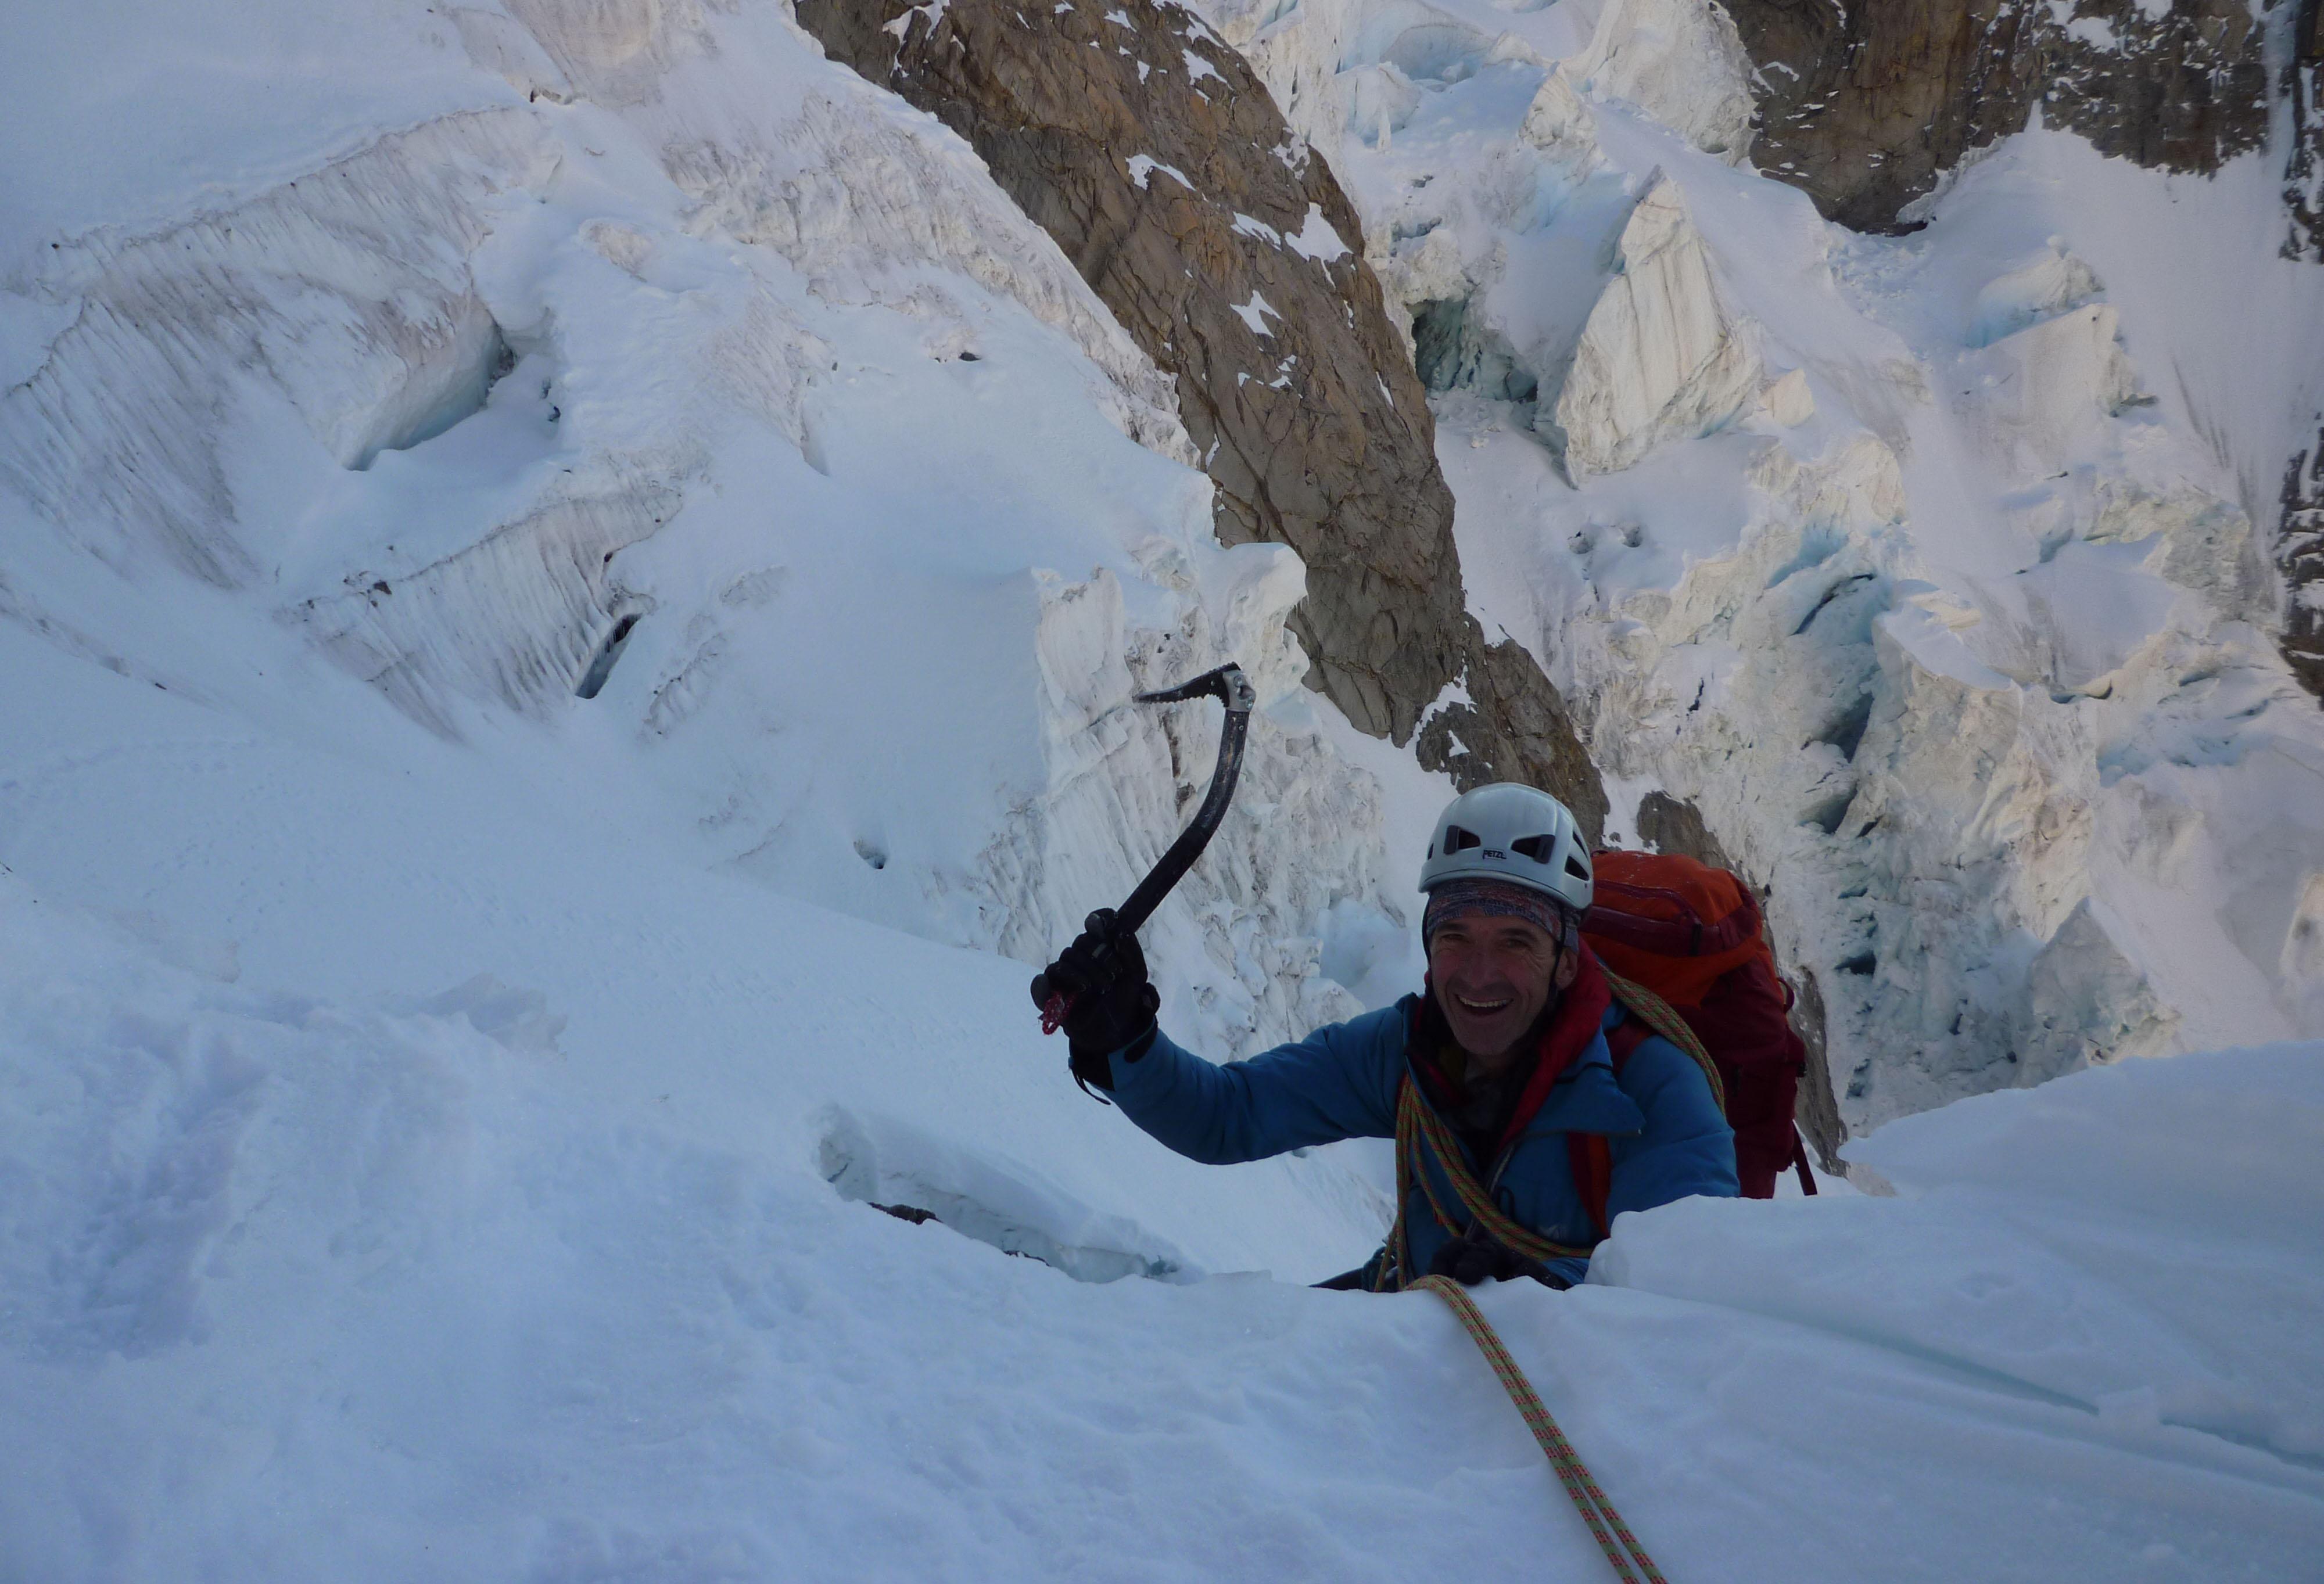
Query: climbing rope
1630,1561
1422,1136
1664,1018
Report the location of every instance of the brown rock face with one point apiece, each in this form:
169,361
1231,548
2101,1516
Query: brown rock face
2299,556
1863,105
2303,175
1162,167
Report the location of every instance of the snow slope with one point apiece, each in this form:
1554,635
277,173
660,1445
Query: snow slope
516,1242
440,1114
541,1275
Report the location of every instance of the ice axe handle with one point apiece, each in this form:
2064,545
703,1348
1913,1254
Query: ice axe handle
1233,689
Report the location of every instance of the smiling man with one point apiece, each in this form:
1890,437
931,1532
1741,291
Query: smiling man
1530,1106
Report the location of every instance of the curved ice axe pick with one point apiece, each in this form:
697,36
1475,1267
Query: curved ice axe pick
1232,688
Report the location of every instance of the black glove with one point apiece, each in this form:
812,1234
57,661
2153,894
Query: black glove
1470,1259
1110,1003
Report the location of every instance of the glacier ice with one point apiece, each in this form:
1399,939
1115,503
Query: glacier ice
1660,357
455,408
1901,560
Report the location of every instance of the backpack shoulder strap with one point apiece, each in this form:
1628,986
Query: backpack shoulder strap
1661,1018
1623,1040
1593,1173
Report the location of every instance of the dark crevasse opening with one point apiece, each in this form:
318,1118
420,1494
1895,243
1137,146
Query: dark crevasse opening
592,680
1450,351
444,389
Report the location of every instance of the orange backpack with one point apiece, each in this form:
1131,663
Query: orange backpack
1691,933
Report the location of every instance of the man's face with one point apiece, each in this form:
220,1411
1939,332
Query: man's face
1493,976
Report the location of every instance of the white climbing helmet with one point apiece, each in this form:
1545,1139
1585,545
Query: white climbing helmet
1514,832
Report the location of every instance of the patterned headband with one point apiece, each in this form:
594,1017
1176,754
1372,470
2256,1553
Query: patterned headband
1491,899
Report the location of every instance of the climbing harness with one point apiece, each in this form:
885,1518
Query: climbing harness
1631,1564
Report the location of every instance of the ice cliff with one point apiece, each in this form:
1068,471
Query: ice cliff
1923,569
662,360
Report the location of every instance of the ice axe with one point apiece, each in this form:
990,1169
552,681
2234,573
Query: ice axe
1232,688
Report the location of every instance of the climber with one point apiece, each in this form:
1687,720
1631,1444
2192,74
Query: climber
1518,1135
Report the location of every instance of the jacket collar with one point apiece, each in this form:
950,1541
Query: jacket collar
1568,1029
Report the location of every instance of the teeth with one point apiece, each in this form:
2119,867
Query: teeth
1482,1006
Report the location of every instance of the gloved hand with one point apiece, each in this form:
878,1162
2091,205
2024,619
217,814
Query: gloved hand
1470,1259
1110,1003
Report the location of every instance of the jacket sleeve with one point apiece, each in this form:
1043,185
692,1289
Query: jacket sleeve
1685,1147
1339,1083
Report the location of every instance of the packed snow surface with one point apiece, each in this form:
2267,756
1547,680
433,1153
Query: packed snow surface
533,1244
570,581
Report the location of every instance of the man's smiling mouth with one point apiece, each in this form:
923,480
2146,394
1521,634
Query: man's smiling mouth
1482,1008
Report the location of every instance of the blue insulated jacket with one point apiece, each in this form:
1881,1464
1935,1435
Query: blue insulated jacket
1663,1129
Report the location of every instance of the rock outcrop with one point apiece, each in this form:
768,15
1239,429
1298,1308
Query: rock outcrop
2303,174
2299,557
1159,161
2300,542
1864,107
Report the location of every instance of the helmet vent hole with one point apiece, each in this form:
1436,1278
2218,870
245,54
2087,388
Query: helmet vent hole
1457,839
1534,847
1574,866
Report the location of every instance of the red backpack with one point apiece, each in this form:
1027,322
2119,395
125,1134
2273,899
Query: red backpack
1691,933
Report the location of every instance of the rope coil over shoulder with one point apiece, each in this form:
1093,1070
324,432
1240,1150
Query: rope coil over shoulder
1422,1137
1664,1018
